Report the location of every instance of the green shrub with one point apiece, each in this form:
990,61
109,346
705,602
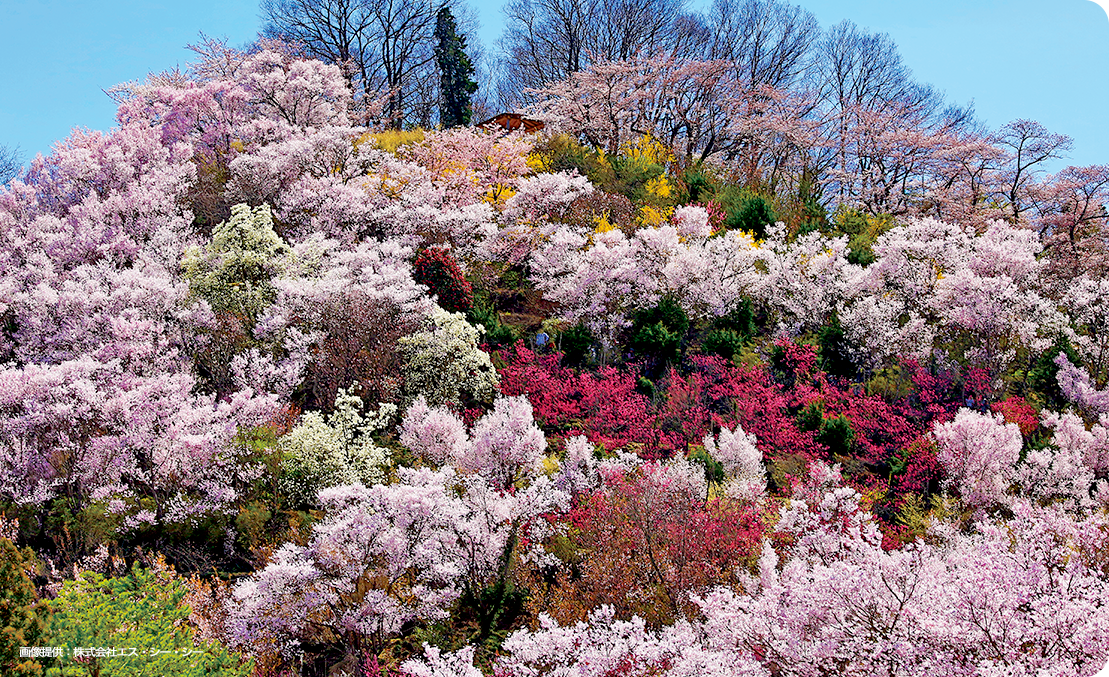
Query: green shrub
23,616
1042,381
699,187
891,383
659,332
724,342
497,334
144,610
747,211
835,357
836,434
730,333
811,417
575,343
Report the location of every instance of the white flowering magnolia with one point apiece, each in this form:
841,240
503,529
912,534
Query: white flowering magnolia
338,450
443,362
234,272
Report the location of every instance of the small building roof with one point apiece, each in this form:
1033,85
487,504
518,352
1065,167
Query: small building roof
512,122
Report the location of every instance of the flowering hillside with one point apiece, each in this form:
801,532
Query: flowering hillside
689,384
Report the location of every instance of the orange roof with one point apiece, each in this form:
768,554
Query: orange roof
513,121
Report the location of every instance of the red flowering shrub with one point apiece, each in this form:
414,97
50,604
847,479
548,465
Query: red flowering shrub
607,408
717,393
645,549
1017,410
437,269
604,406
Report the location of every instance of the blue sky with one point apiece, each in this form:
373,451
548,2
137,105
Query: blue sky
1042,59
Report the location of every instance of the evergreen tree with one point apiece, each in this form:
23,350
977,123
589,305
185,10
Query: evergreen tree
22,615
455,72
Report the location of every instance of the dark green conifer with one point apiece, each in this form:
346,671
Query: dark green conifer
456,72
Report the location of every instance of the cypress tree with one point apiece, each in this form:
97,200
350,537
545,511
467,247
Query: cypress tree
456,72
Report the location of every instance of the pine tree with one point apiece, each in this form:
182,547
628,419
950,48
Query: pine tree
22,615
456,72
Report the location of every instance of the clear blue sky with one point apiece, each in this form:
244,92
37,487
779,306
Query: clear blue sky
1042,59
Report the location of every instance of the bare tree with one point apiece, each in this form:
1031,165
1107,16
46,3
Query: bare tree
383,46
11,163
860,68
547,40
1030,146
770,42
544,40
335,31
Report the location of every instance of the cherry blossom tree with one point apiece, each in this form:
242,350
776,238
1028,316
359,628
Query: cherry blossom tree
979,453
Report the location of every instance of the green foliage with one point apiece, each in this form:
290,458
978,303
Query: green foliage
480,618
836,434
631,175
698,185
575,343
714,470
251,525
891,383
809,193
747,211
783,469
618,174
497,334
730,333
492,613
144,610
563,153
811,417
724,342
834,356
77,529
659,332
456,72
862,230
23,616
1042,381
741,319
234,272
920,519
